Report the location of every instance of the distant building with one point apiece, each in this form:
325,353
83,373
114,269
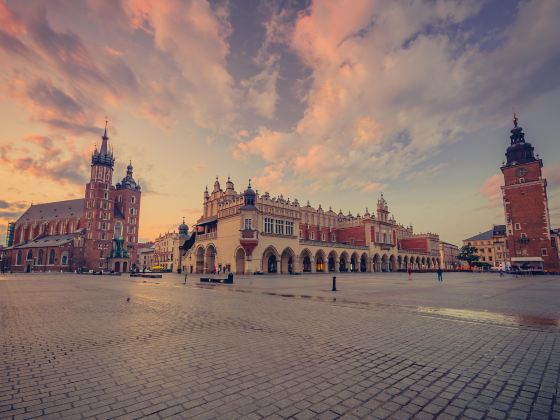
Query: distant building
491,246
247,232
530,240
97,232
145,256
167,249
448,256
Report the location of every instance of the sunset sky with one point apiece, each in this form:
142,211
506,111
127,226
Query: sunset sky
328,101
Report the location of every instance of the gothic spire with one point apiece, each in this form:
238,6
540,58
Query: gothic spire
104,150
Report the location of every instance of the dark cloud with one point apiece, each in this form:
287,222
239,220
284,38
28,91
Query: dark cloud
48,96
10,214
46,162
13,45
66,50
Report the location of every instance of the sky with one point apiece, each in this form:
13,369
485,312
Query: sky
328,101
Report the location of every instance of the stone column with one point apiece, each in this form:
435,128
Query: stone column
337,265
313,267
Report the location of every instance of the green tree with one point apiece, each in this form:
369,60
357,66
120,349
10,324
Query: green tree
468,253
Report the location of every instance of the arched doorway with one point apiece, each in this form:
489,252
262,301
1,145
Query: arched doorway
331,261
305,258
210,259
200,260
363,263
399,263
270,260
320,261
287,261
117,268
124,267
271,264
354,263
343,264
384,263
392,263
376,263
240,261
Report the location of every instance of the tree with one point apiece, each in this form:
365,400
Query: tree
468,253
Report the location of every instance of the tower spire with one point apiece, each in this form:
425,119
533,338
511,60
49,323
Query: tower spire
104,150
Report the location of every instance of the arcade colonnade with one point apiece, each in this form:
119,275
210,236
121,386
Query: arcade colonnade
308,260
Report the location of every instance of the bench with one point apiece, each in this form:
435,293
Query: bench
227,280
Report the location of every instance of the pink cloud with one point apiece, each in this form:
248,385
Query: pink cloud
490,189
9,22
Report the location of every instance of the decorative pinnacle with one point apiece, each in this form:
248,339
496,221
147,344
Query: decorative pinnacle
515,119
105,132
249,183
183,219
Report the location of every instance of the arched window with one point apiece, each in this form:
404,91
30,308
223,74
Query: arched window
40,257
29,254
118,231
64,259
18,257
51,257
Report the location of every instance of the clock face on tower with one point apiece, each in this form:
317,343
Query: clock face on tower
521,172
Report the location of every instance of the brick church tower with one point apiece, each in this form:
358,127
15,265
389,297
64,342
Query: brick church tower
112,214
98,205
529,240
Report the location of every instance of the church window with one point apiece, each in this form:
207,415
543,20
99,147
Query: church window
40,257
64,259
52,258
544,252
103,226
105,195
517,226
119,199
133,199
105,205
29,255
18,257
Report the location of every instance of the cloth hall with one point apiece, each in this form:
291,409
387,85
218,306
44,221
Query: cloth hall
252,233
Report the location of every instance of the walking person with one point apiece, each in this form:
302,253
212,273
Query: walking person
440,275
410,273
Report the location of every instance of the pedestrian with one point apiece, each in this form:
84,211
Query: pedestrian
185,278
410,273
440,275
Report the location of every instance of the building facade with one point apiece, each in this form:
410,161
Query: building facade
167,249
448,256
97,232
530,240
491,246
247,233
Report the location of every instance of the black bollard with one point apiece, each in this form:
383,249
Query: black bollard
333,284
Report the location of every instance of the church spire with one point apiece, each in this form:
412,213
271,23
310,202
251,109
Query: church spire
104,139
104,156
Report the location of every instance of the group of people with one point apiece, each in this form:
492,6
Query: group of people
439,275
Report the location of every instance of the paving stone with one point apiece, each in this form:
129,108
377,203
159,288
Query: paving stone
72,347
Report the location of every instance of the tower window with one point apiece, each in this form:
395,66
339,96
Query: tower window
517,226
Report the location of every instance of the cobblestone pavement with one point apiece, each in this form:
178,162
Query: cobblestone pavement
279,347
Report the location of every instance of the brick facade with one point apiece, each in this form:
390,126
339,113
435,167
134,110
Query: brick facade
103,225
529,237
